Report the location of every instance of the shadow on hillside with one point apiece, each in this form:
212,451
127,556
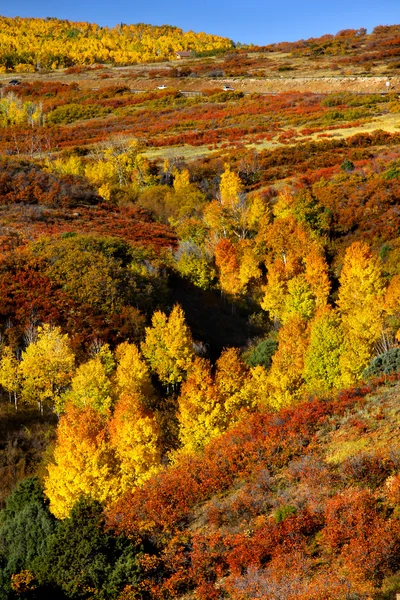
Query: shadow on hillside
25,437
213,319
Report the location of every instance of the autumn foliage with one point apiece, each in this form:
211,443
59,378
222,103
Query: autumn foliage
198,332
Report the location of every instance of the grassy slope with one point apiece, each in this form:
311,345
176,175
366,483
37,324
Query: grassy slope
308,491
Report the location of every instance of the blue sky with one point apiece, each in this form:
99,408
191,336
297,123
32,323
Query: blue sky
247,21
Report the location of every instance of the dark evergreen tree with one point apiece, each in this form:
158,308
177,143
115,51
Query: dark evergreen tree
25,527
84,560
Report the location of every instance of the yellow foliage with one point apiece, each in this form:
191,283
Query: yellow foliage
215,218
118,163
230,188
10,373
54,43
321,365
297,280
181,179
72,165
184,201
84,463
226,260
23,582
316,273
299,299
193,263
230,378
274,294
102,174
283,207
24,68
166,166
168,346
200,413
259,212
258,387
134,435
13,111
47,366
90,387
392,297
286,374
248,264
132,375
236,216
361,298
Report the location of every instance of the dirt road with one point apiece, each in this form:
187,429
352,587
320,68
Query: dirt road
324,85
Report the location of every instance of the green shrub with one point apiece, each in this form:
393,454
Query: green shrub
347,165
333,116
284,512
392,173
261,354
68,113
384,364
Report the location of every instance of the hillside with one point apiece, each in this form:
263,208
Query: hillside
199,315
350,61
29,44
312,491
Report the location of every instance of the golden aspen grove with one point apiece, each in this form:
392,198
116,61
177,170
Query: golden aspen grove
199,314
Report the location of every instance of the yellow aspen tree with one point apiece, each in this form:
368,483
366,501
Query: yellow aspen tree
287,244
316,274
47,366
193,263
134,435
249,269
168,346
181,179
166,166
258,213
321,364
236,215
286,374
102,174
84,463
230,188
283,206
184,200
10,374
216,219
132,375
200,412
297,280
360,301
72,165
299,300
90,386
275,293
230,378
258,388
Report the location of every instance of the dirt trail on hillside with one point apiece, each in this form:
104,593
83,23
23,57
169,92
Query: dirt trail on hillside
317,84
272,85
324,85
